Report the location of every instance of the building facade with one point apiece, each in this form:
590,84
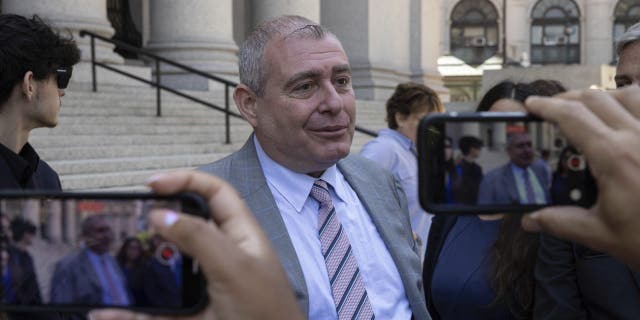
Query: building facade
387,41
567,40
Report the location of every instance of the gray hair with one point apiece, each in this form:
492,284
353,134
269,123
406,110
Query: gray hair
253,68
632,35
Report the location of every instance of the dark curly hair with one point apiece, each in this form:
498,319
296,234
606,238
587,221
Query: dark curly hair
31,45
411,97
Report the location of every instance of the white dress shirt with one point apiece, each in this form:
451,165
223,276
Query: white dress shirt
300,214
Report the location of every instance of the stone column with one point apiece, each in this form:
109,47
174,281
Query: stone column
518,28
379,55
198,33
596,32
263,10
425,40
72,15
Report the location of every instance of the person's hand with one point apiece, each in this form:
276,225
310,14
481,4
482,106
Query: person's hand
244,276
605,127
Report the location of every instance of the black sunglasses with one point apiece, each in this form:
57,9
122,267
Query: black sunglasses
63,75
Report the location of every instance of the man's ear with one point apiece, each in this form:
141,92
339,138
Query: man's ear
246,101
400,119
28,85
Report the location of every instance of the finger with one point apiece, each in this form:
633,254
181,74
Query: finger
577,122
604,105
227,208
629,98
116,314
194,236
570,223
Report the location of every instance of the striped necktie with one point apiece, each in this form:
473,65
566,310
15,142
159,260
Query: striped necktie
347,287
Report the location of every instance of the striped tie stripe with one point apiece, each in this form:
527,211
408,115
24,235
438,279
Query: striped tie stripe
349,294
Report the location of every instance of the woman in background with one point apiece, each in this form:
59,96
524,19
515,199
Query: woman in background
481,266
395,147
132,259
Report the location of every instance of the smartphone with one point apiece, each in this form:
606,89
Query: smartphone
72,252
494,162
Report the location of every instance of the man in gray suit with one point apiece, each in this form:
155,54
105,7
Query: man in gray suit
295,171
522,180
90,276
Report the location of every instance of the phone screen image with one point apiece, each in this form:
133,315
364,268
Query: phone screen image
498,163
81,252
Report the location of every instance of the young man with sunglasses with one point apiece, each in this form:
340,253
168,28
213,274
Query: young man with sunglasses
35,68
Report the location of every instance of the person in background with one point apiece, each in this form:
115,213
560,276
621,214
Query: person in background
25,282
481,266
469,173
628,66
395,147
35,68
573,280
132,258
91,275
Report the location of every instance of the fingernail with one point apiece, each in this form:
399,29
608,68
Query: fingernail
530,223
155,177
170,218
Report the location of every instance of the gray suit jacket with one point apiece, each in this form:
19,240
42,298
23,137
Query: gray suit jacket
75,281
379,192
499,185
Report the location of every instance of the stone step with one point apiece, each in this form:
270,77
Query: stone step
148,120
94,181
120,151
123,164
116,129
40,139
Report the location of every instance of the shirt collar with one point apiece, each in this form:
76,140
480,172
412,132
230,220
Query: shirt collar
293,186
22,164
399,137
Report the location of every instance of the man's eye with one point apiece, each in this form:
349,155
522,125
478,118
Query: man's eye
303,90
303,87
343,81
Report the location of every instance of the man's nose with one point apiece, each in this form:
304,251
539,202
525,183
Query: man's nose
332,101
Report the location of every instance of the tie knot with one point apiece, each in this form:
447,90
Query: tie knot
320,192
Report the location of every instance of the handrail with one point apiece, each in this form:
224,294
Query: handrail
159,86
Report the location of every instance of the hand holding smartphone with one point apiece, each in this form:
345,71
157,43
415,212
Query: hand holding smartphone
77,251
504,173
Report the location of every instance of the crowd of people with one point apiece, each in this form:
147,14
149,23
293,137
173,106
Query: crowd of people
144,273
302,229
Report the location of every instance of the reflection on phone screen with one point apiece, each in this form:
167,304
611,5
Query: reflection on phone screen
475,164
87,252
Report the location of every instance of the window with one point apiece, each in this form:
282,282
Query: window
474,31
626,14
555,32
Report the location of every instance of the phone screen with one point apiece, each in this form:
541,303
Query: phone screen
498,163
87,251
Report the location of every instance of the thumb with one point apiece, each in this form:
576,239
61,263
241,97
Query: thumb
570,223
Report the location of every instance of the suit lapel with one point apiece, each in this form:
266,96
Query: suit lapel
87,268
509,182
375,200
248,178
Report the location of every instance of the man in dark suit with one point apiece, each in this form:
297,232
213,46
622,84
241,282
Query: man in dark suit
295,174
522,180
91,275
573,281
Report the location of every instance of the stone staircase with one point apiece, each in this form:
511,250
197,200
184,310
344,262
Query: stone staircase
111,140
